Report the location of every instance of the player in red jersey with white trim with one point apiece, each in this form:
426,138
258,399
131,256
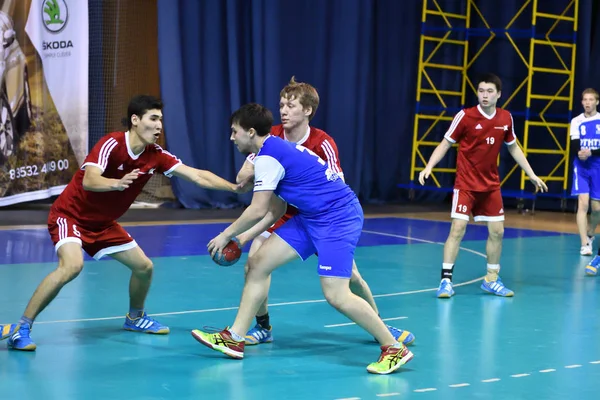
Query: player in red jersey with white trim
297,106
480,132
84,215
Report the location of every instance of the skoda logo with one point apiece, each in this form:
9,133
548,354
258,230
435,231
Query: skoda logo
55,15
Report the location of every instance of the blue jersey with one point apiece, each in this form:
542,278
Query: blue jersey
299,177
589,138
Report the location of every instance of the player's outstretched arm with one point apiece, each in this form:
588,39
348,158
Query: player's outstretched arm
517,154
207,179
255,212
437,155
277,208
246,172
93,180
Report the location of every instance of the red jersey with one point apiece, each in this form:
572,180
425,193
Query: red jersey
480,137
113,155
319,143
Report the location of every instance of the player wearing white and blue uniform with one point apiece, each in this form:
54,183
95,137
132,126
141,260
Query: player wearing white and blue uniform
329,218
585,143
329,222
586,172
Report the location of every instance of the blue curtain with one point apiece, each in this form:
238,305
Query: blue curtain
361,55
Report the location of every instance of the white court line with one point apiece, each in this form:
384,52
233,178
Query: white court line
288,303
387,394
354,323
458,385
573,366
544,371
594,362
425,390
490,380
519,375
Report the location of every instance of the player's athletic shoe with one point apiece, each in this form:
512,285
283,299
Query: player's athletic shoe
145,324
587,249
445,290
404,337
391,359
258,335
8,330
592,268
20,340
497,287
221,341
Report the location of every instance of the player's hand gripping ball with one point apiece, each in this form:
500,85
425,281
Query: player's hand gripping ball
230,254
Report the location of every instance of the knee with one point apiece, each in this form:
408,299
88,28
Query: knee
145,268
496,233
457,232
253,266
337,297
69,270
334,299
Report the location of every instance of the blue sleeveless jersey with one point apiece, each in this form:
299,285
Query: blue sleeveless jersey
304,179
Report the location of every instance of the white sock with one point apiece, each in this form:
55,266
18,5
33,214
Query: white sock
236,337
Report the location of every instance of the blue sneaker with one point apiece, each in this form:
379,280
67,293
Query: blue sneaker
445,291
145,324
404,337
20,340
497,287
8,330
592,268
258,335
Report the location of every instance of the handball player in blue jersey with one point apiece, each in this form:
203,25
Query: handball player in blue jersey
586,170
586,177
329,223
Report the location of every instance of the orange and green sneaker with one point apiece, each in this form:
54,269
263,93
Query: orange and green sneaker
392,357
221,341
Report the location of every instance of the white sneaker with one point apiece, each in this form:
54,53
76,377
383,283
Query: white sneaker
586,250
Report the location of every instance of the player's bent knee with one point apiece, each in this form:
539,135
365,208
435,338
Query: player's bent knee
69,270
336,298
255,265
336,291
146,267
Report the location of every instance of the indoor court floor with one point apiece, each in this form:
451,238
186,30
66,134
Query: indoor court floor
541,344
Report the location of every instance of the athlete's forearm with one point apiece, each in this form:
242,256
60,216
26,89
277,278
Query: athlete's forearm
439,153
250,217
517,154
208,180
275,212
95,183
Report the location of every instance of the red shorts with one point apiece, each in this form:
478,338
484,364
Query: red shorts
96,242
484,206
280,222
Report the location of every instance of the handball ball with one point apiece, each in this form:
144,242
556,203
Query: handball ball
230,254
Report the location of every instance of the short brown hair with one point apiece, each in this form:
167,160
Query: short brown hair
590,91
306,94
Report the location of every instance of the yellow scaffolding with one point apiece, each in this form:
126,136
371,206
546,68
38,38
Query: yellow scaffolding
452,34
